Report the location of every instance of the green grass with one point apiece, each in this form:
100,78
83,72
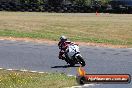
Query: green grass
17,79
113,29
52,37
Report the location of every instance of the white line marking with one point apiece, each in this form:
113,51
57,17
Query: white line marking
1,68
9,69
70,75
24,70
33,71
41,72
85,86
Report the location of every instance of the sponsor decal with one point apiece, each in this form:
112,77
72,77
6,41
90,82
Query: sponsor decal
83,78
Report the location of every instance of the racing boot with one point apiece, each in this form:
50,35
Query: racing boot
62,57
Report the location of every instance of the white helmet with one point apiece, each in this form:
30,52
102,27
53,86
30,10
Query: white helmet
63,38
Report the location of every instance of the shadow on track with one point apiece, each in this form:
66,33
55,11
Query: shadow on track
65,66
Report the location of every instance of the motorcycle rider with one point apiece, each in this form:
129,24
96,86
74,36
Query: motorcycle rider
63,44
69,52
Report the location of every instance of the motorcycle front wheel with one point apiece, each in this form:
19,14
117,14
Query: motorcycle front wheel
81,61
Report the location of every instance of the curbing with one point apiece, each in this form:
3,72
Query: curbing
84,86
23,70
1,68
32,71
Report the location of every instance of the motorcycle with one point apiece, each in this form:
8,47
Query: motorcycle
72,55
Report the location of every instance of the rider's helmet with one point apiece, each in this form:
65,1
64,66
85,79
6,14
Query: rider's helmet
63,38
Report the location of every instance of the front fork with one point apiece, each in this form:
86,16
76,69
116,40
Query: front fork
76,57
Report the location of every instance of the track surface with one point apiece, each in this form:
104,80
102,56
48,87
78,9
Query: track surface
43,57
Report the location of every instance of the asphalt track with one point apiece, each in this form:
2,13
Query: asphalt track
43,57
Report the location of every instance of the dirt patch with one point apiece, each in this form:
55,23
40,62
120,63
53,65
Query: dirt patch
55,42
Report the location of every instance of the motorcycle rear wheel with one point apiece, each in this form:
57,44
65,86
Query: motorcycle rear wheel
70,62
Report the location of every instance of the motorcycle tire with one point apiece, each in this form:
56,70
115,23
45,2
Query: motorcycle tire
81,61
70,62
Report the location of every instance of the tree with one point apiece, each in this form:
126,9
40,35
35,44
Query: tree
55,2
80,2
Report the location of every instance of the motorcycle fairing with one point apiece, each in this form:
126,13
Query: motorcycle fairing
72,50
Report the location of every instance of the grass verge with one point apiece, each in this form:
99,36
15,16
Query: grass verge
13,33
107,28
17,79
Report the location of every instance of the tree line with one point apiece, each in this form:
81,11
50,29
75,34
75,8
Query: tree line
85,6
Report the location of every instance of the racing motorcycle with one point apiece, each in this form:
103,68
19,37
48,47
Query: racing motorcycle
72,55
